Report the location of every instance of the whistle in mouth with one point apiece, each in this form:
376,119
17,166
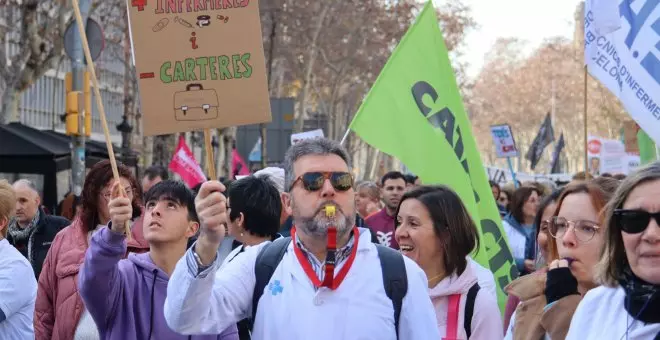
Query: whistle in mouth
569,260
330,211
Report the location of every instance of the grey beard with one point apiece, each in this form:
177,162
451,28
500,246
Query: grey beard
317,225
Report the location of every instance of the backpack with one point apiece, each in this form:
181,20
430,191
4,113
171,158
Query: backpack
395,279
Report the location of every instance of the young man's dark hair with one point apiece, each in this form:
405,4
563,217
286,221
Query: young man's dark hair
410,178
156,171
259,202
392,175
174,191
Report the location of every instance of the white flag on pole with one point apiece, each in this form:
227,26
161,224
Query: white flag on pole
622,51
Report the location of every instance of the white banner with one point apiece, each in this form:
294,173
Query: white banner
297,137
625,55
505,145
503,176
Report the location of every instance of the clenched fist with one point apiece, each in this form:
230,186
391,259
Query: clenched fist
211,206
120,209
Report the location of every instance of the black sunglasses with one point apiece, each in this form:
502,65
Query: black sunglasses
313,181
634,221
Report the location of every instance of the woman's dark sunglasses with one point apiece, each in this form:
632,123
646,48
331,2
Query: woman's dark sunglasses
313,181
634,221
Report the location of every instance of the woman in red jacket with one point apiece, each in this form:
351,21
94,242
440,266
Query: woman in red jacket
59,312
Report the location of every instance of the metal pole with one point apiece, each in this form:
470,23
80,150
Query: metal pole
513,173
586,142
78,71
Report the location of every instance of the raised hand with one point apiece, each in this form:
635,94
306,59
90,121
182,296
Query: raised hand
120,209
211,206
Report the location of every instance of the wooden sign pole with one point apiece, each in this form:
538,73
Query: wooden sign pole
210,163
99,102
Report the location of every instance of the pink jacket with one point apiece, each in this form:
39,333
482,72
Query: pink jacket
486,318
59,307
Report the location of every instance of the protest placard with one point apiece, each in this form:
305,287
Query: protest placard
505,145
200,64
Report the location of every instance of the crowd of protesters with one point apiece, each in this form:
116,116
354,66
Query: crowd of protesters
302,251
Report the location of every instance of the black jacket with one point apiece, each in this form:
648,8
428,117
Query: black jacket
42,238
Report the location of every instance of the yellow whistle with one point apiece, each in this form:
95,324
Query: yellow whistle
330,211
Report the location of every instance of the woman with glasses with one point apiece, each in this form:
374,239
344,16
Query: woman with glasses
627,306
60,313
549,299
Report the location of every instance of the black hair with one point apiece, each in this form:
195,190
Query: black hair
410,178
259,201
196,188
393,175
520,197
451,222
156,171
545,202
174,191
493,184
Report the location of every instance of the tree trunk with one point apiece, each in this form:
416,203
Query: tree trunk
163,149
9,110
300,119
147,151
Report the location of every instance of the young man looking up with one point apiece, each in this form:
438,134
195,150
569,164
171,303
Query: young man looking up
126,297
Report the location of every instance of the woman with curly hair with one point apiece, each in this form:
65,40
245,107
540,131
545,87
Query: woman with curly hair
60,312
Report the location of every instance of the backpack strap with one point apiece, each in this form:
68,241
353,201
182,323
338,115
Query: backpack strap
453,307
395,279
469,308
268,259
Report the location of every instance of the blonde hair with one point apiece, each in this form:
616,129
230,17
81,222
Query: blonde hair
613,259
7,205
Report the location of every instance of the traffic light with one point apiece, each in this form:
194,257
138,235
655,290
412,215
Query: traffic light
76,101
74,107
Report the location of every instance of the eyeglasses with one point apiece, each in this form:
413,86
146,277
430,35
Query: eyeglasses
108,195
584,230
545,225
634,221
313,181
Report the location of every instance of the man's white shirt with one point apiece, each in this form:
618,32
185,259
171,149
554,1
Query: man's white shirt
18,293
291,308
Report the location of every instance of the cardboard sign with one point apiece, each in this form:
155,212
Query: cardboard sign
630,129
297,137
200,64
505,145
607,156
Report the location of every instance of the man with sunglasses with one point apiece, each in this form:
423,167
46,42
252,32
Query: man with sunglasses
304,298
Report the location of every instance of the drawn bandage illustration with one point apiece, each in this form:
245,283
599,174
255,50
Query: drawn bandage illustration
195,103
160,24
223,18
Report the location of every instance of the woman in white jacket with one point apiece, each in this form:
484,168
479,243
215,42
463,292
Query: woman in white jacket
627,306
436,231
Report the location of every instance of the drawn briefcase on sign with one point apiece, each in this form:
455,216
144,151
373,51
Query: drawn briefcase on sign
195,103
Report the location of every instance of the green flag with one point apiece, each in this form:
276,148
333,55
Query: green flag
646,148
415,113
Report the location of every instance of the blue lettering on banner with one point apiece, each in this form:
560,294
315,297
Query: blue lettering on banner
650,62
501,133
